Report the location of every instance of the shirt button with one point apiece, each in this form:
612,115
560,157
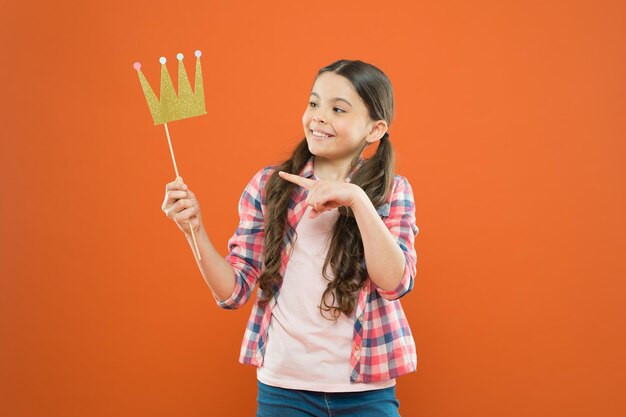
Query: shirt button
361,318
357,348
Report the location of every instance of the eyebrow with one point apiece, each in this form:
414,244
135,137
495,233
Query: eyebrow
334,98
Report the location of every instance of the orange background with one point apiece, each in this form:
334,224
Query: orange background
510,125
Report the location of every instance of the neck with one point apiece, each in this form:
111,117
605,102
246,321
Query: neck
336,170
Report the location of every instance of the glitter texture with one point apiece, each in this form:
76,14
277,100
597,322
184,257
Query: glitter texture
170,107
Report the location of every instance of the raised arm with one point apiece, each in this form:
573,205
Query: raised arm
180,205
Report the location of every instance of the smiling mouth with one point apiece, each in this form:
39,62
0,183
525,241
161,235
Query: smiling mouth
320,135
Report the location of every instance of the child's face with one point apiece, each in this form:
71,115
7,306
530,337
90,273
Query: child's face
336,109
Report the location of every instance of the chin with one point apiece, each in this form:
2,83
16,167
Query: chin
308,142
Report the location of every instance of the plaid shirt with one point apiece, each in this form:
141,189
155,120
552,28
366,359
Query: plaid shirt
383,345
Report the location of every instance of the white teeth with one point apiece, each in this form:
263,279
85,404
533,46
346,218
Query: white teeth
321,135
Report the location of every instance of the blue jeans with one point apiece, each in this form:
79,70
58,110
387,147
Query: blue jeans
282,402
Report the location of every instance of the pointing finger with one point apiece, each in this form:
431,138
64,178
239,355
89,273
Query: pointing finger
296,179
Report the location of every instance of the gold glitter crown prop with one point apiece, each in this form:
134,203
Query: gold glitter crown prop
170,107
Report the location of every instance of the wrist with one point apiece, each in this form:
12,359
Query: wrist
359,197
199,231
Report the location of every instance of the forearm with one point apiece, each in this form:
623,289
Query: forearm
384,258
216,271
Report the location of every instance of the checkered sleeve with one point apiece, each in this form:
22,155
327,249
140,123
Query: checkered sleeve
246,244
401,224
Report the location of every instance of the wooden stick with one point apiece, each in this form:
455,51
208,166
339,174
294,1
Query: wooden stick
193,236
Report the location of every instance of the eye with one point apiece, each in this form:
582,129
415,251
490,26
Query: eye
312,104
337,108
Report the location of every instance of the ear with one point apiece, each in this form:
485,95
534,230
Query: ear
377,130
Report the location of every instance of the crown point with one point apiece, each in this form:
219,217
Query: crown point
180,56
198,53
162,60
137,66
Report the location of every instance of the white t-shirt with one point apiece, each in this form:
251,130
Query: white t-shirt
305,350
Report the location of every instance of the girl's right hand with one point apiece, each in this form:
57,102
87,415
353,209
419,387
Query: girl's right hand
181,205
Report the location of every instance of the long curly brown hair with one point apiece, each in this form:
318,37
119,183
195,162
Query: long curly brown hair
375,177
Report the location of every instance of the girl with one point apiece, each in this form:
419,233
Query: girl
328,238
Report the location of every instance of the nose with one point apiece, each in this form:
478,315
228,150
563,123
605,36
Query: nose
317,119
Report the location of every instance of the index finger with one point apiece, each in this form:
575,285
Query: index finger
296,179
175,185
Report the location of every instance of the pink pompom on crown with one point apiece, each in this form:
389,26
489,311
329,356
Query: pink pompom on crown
137,66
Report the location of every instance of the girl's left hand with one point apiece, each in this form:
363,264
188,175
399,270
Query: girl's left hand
324,195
